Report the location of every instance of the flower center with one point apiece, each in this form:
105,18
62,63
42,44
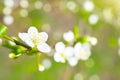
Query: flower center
63,55
36,40
82,53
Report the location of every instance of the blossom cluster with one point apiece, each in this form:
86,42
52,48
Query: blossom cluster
72,49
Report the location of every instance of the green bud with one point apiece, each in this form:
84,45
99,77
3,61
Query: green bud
12,56
1,41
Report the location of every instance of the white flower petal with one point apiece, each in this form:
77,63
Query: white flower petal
72,61
86,46
59,47
88,5
25,37
43,47
43,36
32,30
59,58
68,36
82,51
93,40
77,47
69,52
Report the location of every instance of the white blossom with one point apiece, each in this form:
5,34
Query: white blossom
8,19
59,55
71,5
64,54
73,61
82,51
93,19
69,36
46,63
93,40
35,39
24,3
88,6
70,56
9,3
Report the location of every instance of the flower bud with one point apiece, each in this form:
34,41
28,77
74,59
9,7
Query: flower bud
41,67
12,56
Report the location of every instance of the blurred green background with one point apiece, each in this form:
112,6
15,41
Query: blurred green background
99,18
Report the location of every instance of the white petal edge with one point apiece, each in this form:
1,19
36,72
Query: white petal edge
43,36
78,47
68,36
25,37
72,61
44,47
69,52
32,30
57,57
60,47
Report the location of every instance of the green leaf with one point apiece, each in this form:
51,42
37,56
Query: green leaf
76,32
83,39
3,30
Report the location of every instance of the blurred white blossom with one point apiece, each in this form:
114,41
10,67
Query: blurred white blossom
88,6
108,14
8,19
72,54
69,36
46,63
23,13
93,19
71,5
35,39
59,55
82,51
73,61
7,10
9,3
24,3
38,4
93,40
64,54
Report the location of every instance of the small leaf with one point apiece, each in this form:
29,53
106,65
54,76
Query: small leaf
76,32
83,39
3,30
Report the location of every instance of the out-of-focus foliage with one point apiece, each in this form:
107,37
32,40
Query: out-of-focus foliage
3,30
99,18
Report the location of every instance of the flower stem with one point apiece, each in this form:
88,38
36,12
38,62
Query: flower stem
38,59
17,42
